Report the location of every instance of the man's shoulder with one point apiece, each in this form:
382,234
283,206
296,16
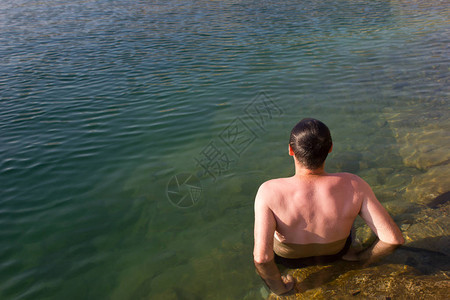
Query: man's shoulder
347,176
273,187
274,183
357,182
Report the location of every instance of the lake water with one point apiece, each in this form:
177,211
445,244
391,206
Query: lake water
134,134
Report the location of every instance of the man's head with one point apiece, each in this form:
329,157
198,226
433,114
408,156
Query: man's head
310,142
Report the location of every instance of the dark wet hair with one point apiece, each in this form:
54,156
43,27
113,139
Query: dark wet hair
311,141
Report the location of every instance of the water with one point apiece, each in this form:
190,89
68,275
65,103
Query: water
103,102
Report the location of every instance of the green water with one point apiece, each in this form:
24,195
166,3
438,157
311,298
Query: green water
104,102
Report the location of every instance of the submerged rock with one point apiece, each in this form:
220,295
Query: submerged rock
424,188
430,229
423,144
440,200
345,280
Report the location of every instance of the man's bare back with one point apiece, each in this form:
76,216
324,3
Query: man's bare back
322,208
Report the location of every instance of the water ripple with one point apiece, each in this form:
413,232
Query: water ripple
103,101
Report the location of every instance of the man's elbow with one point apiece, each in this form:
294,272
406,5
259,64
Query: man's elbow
262,259
396,240
399,240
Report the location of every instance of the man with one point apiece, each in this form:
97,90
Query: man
311,213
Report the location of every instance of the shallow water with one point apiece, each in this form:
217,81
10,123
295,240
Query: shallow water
104,102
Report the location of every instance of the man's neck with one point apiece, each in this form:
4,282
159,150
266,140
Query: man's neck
302,171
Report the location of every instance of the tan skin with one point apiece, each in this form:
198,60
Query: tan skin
316,207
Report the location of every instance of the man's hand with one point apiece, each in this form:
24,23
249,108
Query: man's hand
285,286
289,283
351,255
277,283
377,251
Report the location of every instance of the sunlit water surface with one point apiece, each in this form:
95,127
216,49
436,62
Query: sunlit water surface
103,102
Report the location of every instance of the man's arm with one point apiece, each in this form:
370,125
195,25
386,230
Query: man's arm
377,217
379,220
263,257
